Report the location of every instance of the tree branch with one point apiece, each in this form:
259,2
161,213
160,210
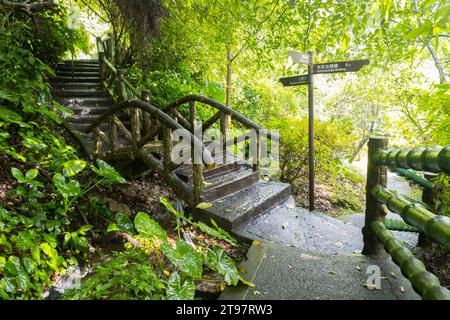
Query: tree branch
30,8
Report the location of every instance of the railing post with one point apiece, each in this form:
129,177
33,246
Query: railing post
97,142
120,90
428,197
196,156
136,124
145,96
376,175
101,65
223,134
112,135
257,151
109,49
167,147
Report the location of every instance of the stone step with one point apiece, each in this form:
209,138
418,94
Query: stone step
77,68
293,226
185,171
90,118
76,85
104,126
81,61
245,204
78,74
94,111
83,102
80,93
221,185
69,78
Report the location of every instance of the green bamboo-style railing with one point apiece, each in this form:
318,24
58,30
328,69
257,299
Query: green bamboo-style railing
423,282
432,227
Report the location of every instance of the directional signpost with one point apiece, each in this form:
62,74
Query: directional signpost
320,68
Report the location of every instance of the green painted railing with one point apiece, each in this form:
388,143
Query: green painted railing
423,282
435,227
431,159
432,227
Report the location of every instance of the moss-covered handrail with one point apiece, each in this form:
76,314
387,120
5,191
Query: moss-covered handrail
424,283
435,227
163,117
432,159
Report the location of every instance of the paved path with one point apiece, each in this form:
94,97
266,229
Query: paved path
286,273
308,255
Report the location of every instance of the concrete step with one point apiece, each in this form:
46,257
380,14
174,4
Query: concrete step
69,78
77,68
76,85
82,61
104,126
285,273
185,171
77,74
83,102
90,118
223,184
243,205
80,93
293,226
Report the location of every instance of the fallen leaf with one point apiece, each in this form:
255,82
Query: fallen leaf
290,267
371,286
256,292
402,289
358,267
256,243
242,270
284,225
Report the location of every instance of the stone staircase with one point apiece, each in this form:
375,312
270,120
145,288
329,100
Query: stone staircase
300,252
235,190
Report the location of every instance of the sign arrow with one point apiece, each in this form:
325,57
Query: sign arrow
299,57
341,66
294,81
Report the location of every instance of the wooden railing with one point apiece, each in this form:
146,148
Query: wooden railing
148,122
416,215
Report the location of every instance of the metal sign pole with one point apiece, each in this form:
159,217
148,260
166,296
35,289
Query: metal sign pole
311,130
320,68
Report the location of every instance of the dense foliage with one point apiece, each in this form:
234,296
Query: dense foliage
157,266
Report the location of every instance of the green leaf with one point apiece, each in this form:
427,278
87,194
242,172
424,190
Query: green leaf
204,205
66,189
112,227
178,290
148,227
108,172
124,222
18,175
72,167
31,174
169,206
184,257
10,116
218,260
215,233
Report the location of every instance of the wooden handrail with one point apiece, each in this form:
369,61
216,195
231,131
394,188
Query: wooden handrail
157,113
223,108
